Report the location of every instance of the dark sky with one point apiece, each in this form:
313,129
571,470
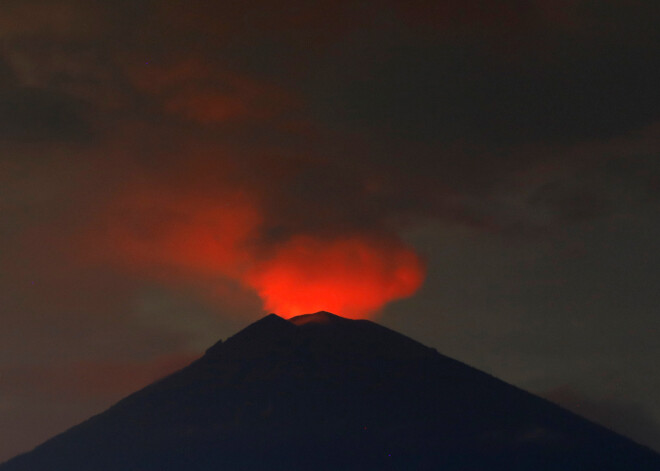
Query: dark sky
481,176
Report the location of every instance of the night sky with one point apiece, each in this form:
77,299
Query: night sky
481,176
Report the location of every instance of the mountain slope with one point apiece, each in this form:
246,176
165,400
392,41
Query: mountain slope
323,392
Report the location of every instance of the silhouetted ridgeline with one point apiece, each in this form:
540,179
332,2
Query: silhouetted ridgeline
320,392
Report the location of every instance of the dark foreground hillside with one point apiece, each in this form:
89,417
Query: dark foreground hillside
320,392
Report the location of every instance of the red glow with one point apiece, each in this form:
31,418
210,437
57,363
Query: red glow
352,277
192,239
154,233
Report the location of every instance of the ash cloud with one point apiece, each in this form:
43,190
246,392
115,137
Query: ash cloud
32,115
220,143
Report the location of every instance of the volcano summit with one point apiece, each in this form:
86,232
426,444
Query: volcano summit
321,392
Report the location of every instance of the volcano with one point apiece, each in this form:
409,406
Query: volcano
321,392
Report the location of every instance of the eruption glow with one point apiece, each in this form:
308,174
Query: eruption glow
353,277
153,233
177,239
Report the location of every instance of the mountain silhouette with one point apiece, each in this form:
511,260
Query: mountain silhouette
321,392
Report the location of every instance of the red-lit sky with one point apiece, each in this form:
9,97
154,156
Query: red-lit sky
481,176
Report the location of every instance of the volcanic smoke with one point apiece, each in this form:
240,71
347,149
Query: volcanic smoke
354,276
178,238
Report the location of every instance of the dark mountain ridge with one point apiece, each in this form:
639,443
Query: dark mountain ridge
320,392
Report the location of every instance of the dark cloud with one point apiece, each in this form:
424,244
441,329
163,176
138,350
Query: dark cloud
57,19
588,84
570,204
33,114
630,420
7,78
